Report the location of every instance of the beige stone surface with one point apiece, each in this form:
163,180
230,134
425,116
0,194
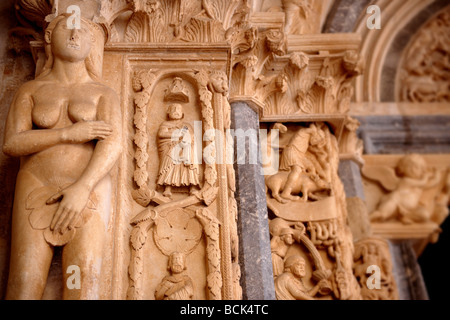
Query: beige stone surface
114,155
63,190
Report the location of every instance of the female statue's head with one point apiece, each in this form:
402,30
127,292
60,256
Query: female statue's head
70,44
73,45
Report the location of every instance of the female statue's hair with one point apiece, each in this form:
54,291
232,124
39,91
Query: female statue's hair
94,61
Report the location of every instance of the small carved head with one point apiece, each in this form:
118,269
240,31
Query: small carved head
411,166
286,234
74,44
317,136
219,82
281,83
296,264
147,6
175,111
276,225
177,262
69,44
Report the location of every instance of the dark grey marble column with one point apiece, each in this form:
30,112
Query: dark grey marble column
350,174
254,238
407,272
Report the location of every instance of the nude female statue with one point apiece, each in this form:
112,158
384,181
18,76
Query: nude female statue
65,127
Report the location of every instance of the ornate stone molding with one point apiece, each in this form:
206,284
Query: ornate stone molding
424,75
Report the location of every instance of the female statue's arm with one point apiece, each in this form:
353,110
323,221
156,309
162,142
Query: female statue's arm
106,153
22,140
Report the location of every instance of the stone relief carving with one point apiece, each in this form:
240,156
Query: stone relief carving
63,125
283,237
178,21
350,146
301,16
30,14
325,87
289,285
374,252
182,213
308,221
424,75
177,286
303,167
180,223
176,148
407,186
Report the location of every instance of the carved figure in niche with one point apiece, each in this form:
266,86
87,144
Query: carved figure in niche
63,125
374,252
289,285
299,171
176,152
407,184
177,286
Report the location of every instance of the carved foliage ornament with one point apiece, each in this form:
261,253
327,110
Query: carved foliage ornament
316,85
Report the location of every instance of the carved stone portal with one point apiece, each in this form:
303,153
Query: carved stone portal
124,145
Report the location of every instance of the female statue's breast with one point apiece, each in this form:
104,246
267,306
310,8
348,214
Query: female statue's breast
55,109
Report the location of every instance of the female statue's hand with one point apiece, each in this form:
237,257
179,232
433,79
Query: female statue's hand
84,131
73,201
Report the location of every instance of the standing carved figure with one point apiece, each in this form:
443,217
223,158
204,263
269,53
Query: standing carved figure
176,151
177,286
279,245
64,127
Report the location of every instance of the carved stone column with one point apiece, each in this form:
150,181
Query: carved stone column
256,265
358,217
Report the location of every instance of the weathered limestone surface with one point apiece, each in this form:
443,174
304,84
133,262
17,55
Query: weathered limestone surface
147,201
